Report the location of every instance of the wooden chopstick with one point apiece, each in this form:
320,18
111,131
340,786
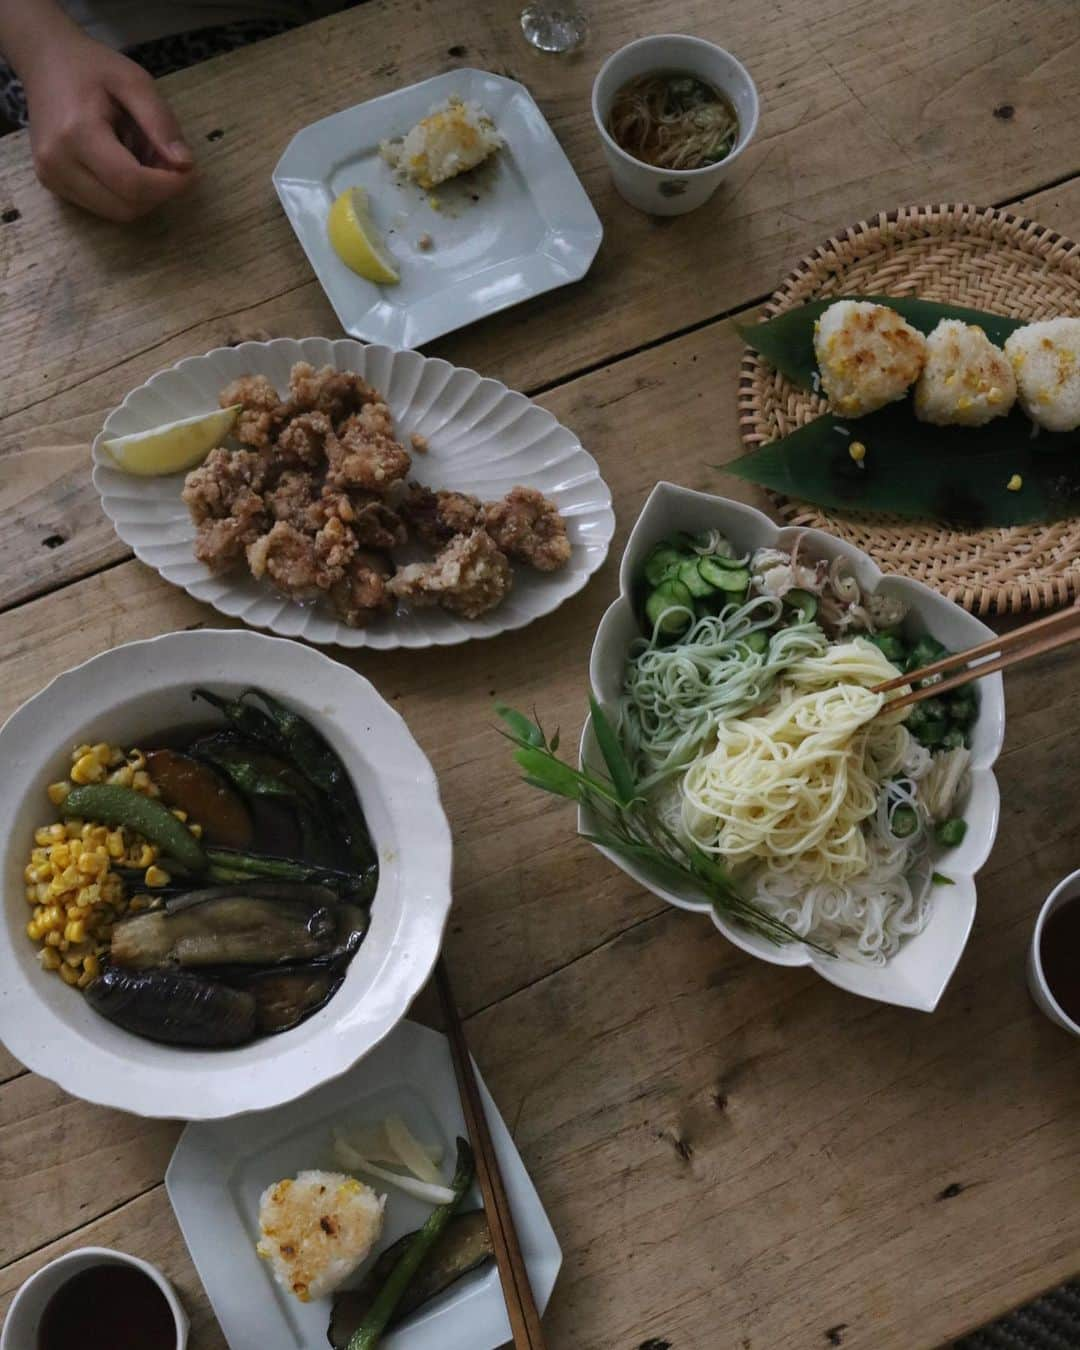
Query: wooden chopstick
520,1305
1033,639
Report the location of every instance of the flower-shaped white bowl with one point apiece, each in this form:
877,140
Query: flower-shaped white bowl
483,438
917,976
143,687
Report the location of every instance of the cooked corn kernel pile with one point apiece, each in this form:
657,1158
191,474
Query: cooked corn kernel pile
74,893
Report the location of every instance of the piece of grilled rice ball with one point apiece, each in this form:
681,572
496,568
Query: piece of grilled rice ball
966,381
1046,360
316,1229
867,355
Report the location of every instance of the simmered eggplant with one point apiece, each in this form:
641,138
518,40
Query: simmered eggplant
306,892
464,1245
352,924
225,930
195,788
286,997
174,1006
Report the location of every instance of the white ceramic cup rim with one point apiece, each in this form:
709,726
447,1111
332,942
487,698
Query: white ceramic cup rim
746,132
106,1256
1070,884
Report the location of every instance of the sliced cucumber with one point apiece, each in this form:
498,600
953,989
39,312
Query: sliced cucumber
757,641
802,602
661,562
671,606
733,579
690,575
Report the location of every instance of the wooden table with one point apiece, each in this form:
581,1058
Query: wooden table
734,1156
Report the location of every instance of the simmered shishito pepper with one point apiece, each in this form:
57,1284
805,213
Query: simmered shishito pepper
117,806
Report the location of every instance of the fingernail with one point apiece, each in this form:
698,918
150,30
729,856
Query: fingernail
179,151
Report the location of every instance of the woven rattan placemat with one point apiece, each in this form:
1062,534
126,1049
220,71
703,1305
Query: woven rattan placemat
967,255
1051,1322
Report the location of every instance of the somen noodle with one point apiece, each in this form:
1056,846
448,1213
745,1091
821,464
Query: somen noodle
673,120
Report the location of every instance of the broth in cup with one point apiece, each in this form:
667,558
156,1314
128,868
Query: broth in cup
673,120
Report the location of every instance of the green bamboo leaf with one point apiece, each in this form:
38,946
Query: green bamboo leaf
618,766
519,724
940,879
544,770
673,875
955,474
787,341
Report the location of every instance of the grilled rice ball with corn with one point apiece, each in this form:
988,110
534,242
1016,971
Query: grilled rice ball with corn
316,1229
966,381
74,893
1046,360
867,355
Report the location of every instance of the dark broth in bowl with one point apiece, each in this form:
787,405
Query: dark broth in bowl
1059,952
673,120
107,1307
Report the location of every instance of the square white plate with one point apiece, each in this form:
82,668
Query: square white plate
531,227
221,1168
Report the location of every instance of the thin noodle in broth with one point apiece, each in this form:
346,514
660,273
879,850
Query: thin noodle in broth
673,120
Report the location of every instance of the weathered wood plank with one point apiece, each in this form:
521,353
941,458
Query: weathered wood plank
858,114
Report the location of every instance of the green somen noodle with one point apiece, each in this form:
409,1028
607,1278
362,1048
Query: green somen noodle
674,697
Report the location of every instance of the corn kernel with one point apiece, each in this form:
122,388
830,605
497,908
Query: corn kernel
62,855
49,959
93,864
31,895
122,776
75,850
180,815
196,830
68,974
147,855
84,979
114,843
42,892
91,965
101,752
33,931
75,931
857,451
57,832
87,769
42,837
30,874
70,877
85,832
141,779
1015,483
138,903
157,876
54,938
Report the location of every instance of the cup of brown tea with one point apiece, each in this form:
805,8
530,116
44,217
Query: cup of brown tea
674,113
1054,956
96,1299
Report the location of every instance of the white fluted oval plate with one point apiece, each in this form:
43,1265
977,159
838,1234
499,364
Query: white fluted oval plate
483,437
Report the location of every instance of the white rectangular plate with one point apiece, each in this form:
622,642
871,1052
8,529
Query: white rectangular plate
517,226
221,1168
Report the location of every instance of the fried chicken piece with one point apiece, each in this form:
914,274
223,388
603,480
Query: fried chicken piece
290,498
377,525
435,517
363,594
301,443
299,564
363,455
527,526
262,410
220,544
337,393
224,480
469,577
335,548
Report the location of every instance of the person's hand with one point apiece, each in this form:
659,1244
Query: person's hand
102,136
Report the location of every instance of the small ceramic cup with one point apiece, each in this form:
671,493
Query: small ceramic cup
671,192
28,1305
1068,889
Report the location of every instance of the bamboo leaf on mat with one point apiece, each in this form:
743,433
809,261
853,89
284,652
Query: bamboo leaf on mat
787,341
545,771
955,474
519,724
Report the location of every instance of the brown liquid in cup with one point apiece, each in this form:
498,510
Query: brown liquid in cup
108,1307
1059,952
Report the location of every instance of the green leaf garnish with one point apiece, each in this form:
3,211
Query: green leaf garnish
618,766
940,879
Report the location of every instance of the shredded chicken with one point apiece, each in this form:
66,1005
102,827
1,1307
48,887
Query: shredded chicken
527,526
469,577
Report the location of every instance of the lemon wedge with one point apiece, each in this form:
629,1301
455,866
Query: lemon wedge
175,446
356,241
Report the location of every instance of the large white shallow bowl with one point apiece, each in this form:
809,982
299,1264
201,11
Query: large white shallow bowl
917,976
143,687
484,439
